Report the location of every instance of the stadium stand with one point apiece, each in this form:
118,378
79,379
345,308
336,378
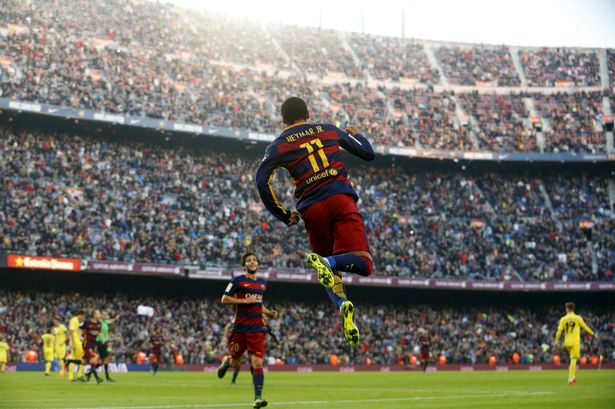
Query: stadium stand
99,199
194,328
198,70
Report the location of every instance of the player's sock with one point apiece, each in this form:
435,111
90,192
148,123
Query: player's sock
155,367
259,380
93,371
61,363
47,368
424,366
71,371
80,371
337,293
572,369
351,263
235,373
107,371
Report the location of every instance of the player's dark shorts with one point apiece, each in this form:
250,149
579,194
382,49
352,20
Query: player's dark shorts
334,226
253,342
102,350
424,355
89,352
155,357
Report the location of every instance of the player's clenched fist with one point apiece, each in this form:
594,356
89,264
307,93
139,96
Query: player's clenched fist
294,218
352,130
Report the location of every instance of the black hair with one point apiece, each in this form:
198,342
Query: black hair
294,109
244,258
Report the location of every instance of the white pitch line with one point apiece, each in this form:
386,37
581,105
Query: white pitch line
321,402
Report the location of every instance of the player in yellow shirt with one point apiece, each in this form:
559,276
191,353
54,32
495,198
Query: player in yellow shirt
48,343
4,354
571,324
59,331
76,347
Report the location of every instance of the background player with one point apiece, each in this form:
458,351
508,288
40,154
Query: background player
571,324
425,343
157,341
102,342
325,199
59,333
4,354
91,329
246,293
76,347
47,340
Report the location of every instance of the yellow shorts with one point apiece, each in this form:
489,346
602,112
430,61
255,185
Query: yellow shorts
76,352
573,350
48,355
3,359
61,352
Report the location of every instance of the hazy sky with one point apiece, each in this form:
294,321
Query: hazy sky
581,23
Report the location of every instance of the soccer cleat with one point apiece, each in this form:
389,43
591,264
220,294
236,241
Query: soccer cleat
572,381
260,403
351,331
318,263
110,380
223,368
99,380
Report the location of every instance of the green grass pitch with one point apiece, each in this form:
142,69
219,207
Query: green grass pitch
373,390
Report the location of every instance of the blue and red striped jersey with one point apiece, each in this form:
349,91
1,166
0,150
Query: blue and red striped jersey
311,154
91,330
248,317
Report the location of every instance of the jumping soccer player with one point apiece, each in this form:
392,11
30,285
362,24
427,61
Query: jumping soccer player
425,343
59,332
155,358
47,340
325,199
102,342
91,329
76,347
4,354
571,324
246,293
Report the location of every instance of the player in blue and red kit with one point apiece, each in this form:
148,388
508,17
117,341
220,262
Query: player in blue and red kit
246,293
91,329
326,201
157,342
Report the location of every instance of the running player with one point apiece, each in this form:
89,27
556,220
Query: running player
4,354
47,340
102,342
155,358
76,347
246,293
59,332
425,343
571,324
91,329
325,199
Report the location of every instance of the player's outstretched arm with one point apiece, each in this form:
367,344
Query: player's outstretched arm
355,143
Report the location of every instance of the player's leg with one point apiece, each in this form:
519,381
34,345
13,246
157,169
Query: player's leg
92,357
320,233
81,366
574,352
60,355
237,345
236,369
104,356
256,348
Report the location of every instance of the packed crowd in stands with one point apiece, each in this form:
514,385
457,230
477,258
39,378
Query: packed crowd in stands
90,197
194,328
470,66
610,61
550,67
501,121
393,59
214,70
573,121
